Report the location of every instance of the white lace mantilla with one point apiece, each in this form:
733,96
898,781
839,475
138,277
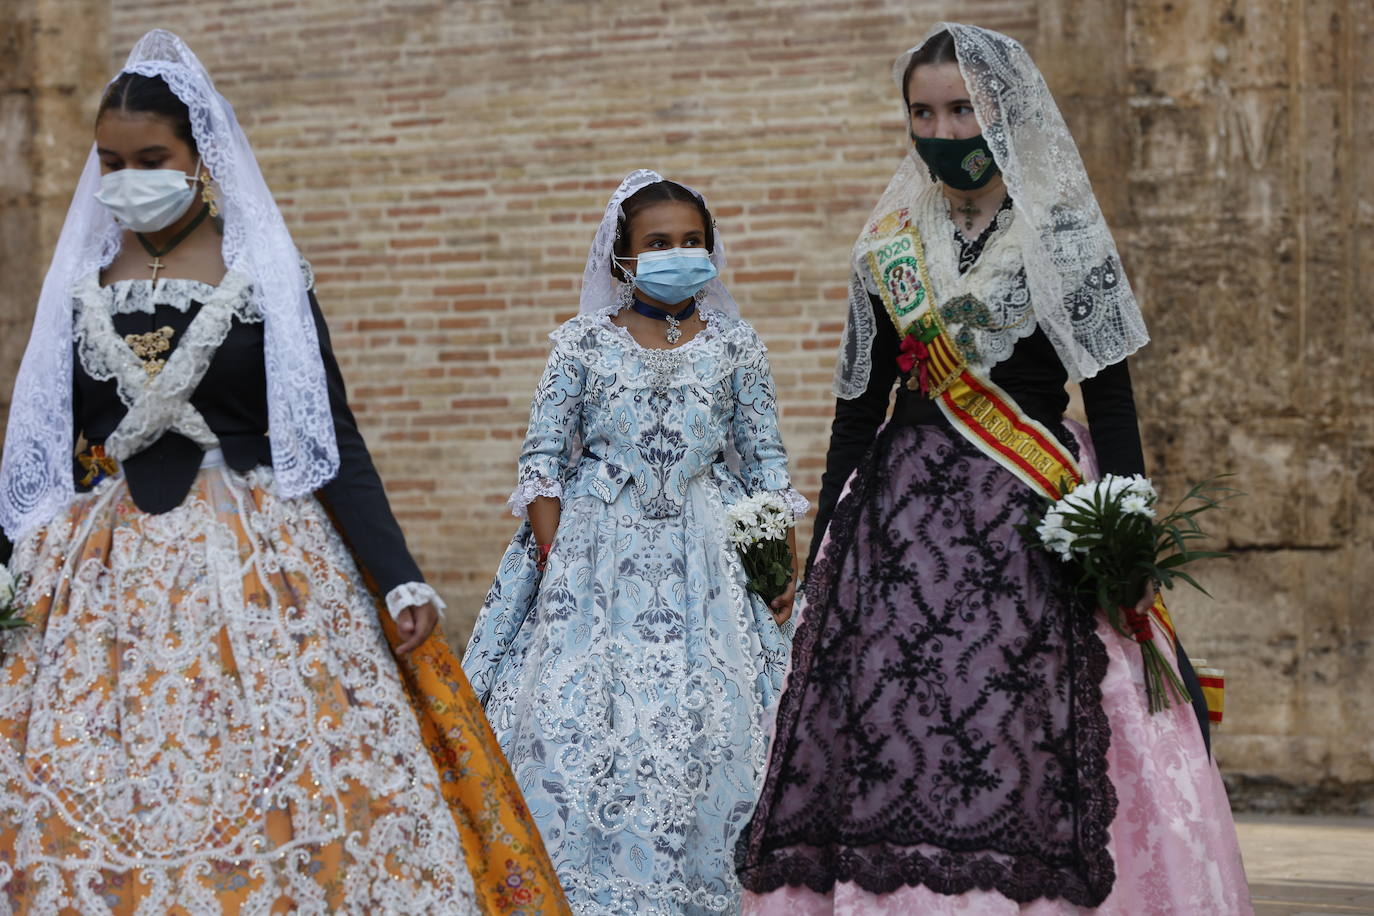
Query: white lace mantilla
600,287
1073,273
987,309
161,403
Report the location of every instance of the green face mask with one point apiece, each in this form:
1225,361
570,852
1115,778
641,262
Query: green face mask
965,165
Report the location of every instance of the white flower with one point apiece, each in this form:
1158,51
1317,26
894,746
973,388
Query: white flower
759,517
1135,504
1112,488
6,585
1141,486
1077,502
1052,521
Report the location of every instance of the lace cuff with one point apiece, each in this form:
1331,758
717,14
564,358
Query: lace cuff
525,493
799,504
413,594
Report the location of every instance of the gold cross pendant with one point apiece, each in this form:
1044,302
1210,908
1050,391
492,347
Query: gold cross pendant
156,266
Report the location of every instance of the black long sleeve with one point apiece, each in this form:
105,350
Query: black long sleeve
856,423
355,496
1110,405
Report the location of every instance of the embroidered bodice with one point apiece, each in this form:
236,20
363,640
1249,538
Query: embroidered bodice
653,419
170,369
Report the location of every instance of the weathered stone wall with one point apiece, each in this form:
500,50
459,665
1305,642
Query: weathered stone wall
47,98
1249,234
443,165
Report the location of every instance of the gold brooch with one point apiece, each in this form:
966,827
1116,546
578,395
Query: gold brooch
148,347
98,465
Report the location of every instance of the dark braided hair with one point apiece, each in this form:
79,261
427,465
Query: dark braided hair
151,95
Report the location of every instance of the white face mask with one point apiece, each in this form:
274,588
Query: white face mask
146,200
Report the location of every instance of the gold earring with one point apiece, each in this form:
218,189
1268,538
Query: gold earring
207,193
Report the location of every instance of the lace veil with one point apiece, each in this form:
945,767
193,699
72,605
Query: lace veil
1078,289
600,289
36,474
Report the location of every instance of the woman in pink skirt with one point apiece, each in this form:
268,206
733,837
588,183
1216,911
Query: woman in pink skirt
960,733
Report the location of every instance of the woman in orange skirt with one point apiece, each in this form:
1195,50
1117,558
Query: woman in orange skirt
204,714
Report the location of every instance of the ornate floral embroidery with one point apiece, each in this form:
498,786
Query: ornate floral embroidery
205,717
631,685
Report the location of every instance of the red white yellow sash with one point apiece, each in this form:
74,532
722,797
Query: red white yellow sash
981,412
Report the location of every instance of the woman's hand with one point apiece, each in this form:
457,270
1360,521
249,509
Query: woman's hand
415,624
781,606
545,513
1147,600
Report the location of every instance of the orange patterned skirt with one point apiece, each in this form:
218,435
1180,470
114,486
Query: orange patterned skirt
205,717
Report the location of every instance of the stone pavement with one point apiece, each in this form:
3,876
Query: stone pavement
1305,866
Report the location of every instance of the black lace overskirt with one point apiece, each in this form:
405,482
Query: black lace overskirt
942,724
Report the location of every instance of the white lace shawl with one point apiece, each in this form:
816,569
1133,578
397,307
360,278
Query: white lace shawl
1078,289
161,403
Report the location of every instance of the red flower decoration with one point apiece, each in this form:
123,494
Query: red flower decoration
913,353
1138,622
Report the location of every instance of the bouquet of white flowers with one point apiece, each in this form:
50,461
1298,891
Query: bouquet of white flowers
1107,530
758,529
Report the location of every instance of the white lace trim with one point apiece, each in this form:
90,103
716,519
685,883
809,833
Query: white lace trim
413,594
799,504
994,280
609,350
143,296
159,404
528,490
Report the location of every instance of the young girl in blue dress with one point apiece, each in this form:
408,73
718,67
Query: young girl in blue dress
629,673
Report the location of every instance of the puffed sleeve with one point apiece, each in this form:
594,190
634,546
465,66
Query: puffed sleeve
554,416
754,430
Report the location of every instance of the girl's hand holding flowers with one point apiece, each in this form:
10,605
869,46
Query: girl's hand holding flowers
762,527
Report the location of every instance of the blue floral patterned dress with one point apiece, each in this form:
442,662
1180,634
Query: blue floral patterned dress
633,687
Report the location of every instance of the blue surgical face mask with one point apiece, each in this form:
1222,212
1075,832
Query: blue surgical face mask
673,275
